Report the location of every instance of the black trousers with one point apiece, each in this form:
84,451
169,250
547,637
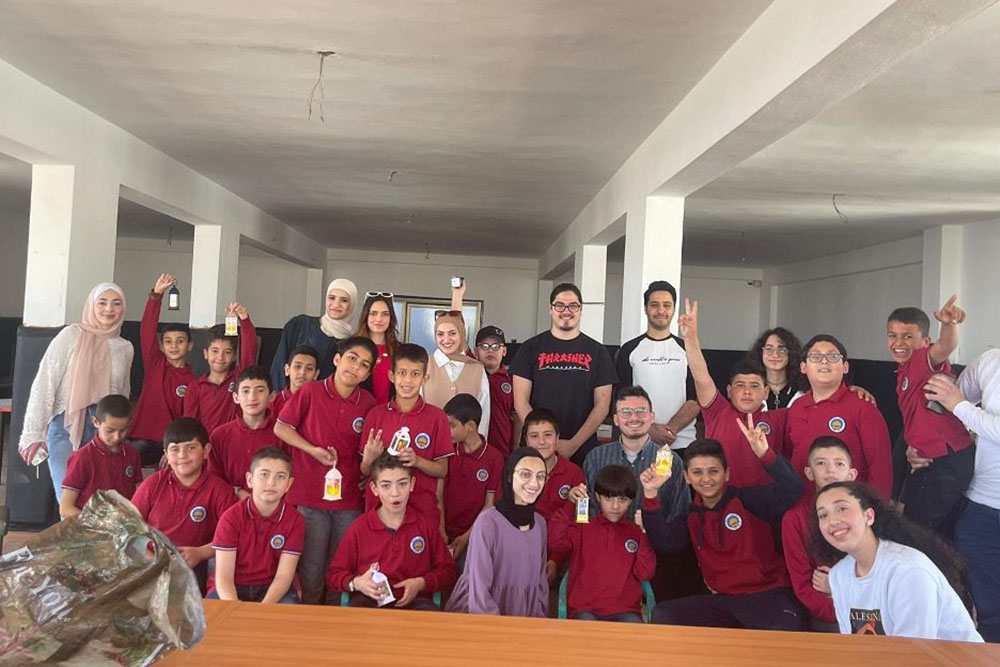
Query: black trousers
773,609
420,603
933,495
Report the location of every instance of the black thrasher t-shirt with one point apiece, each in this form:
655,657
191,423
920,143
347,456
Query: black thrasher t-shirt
564,374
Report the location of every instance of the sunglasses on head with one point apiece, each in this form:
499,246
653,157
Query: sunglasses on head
438,314
386,295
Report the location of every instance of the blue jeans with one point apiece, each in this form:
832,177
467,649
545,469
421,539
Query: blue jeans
621,617
977,535
256,594
60,447
324,529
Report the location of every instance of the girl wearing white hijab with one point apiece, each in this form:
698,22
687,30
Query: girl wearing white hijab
323,333
84,363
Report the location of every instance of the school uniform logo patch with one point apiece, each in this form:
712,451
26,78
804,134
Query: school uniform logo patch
277,541
733,521
181,390
564,491
423,441
482,474
764,427
198,514
837,424
631,546
505,387
129,471
417,545
358,424
906,383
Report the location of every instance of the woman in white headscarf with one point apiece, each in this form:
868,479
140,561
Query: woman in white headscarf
322,333
85,362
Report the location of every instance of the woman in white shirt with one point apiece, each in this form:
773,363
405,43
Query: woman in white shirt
895,577
85,362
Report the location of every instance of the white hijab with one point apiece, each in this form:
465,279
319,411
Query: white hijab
341,328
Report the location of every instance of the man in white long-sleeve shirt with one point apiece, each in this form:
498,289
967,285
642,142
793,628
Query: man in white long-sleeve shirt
977,533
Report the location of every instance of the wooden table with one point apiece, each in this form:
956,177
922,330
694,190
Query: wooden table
241,633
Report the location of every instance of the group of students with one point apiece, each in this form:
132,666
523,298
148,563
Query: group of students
396,491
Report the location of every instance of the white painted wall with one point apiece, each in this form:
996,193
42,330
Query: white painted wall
508,286
980,263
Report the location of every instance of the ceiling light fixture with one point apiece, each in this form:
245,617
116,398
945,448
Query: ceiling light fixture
319,85
843,218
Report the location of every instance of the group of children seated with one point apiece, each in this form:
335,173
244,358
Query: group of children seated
316,493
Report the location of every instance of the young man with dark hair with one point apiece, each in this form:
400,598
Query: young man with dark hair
491,348
209,398
301,369
567,372
165,374
931,493
657,361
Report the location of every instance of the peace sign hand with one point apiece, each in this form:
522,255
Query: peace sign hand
755,436
688,322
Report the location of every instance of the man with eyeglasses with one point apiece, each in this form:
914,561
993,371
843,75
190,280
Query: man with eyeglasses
491,348
657,362
566,371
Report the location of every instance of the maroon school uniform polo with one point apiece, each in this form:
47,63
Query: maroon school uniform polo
501,430
259,541
163,384
930,432
470,477
213,404
852,419
797,527
555,494
745,469
188,515
320,415
94,467
279,401
430,438
416,549
233,446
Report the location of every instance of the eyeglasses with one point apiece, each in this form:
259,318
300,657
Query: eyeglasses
638,412
385,295
831,357
438,314
559,307
779,350
491,347
525,475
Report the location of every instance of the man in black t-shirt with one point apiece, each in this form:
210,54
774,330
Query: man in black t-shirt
567,372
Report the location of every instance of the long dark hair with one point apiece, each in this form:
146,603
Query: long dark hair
391,334
793,371
891,525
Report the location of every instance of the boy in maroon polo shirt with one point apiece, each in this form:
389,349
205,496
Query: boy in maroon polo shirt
426,426
829,462
106,462
322,426
931,492
831,408
731,533
235,442
474,473
209,398
609,556
258,540
491,348
184,501
393,539
301,369
165,375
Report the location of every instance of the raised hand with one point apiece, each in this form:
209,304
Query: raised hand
373,446
164,282
238,309
688,322
651,482
754,435
577,492
950,313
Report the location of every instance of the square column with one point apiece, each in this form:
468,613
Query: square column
590,273
654,238
214,267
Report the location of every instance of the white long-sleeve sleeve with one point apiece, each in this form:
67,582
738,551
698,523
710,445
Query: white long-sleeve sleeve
980,382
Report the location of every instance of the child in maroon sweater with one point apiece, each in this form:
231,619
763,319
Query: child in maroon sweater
730,530
609,556
301,369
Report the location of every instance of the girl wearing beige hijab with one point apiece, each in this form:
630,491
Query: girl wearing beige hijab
451,371
322,333
84,363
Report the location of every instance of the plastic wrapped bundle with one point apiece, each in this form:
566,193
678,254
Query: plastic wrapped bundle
100,588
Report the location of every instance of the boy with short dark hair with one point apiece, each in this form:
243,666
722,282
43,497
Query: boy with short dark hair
258,540
407,418
235,442
609,556
209,398
730,530
322,426
829,461
165,374
491,348
474,472
403,545
184,501
930,493
301,369
106,462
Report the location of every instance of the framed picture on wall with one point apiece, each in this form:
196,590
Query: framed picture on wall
415,315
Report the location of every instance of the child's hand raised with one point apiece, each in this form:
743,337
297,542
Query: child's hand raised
651,481
408,457
164,282
688,322
755,436
373,446
950,313
238,309
577,492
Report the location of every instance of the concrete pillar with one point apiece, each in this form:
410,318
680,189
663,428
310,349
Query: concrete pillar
942,273
590,274
315,293
214,268
71,241
654,236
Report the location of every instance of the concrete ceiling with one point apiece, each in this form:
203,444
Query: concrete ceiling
916,148
501,119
